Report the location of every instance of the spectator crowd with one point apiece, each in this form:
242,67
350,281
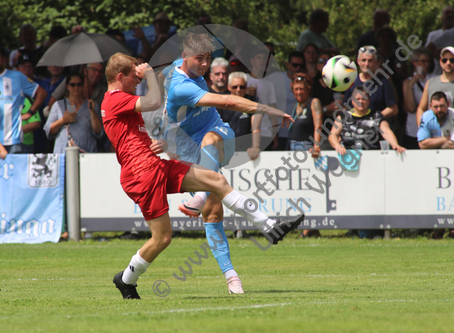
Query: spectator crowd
46,109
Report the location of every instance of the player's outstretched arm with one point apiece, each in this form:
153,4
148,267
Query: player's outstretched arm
240,104
153,99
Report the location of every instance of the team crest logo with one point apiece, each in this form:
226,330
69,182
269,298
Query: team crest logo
43,170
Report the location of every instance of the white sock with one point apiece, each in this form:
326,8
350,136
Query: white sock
203,195
237,202
230,273
136,267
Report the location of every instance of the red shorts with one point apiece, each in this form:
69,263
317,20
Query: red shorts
150,189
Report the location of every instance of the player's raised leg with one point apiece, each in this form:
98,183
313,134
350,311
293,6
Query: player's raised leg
206,180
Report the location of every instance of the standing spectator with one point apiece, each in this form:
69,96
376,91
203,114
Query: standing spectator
318,23
311,52
219,72
14,87
32,124
239,122
380,18
57,32
264,127
413,88
162,26
27,36
382,99
444,82
92,88
76,120
447,23
308,116
295,63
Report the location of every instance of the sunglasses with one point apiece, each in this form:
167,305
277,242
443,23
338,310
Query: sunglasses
300,78
236,87
322,60
79,84
297,65
445,60
369,50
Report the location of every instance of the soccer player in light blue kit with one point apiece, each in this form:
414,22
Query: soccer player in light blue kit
201,137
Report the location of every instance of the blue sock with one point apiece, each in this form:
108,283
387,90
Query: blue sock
222,251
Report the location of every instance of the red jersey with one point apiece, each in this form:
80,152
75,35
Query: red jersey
127,133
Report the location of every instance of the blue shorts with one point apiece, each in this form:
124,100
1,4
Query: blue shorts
228,136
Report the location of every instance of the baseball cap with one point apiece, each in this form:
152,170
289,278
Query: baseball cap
447,48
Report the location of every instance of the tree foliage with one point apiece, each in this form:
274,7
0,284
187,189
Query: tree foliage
270,20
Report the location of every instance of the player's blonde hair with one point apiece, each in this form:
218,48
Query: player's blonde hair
119,63
195,44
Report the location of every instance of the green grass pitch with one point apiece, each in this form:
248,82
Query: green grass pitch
301,285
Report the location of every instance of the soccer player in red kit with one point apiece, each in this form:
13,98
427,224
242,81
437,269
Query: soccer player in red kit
147,179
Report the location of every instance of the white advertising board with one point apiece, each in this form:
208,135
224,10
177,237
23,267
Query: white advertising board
413,190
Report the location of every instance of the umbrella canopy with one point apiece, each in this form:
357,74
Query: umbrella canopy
82,48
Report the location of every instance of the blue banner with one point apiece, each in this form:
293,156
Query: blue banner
31,198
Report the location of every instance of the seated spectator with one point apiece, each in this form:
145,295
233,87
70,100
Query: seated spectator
437,124
308,116
382,99
318,23
239,122
75,120
413,88
27,36
360,122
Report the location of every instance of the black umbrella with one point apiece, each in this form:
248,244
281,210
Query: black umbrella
82,48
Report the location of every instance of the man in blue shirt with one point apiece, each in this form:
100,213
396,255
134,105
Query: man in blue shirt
437,124
14,87
201,137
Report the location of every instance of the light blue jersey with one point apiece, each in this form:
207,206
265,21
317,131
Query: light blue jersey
430,128
188,123
14,87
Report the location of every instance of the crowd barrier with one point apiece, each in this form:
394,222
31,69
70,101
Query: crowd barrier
388,190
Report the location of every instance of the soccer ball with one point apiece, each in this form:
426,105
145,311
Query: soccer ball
339,73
